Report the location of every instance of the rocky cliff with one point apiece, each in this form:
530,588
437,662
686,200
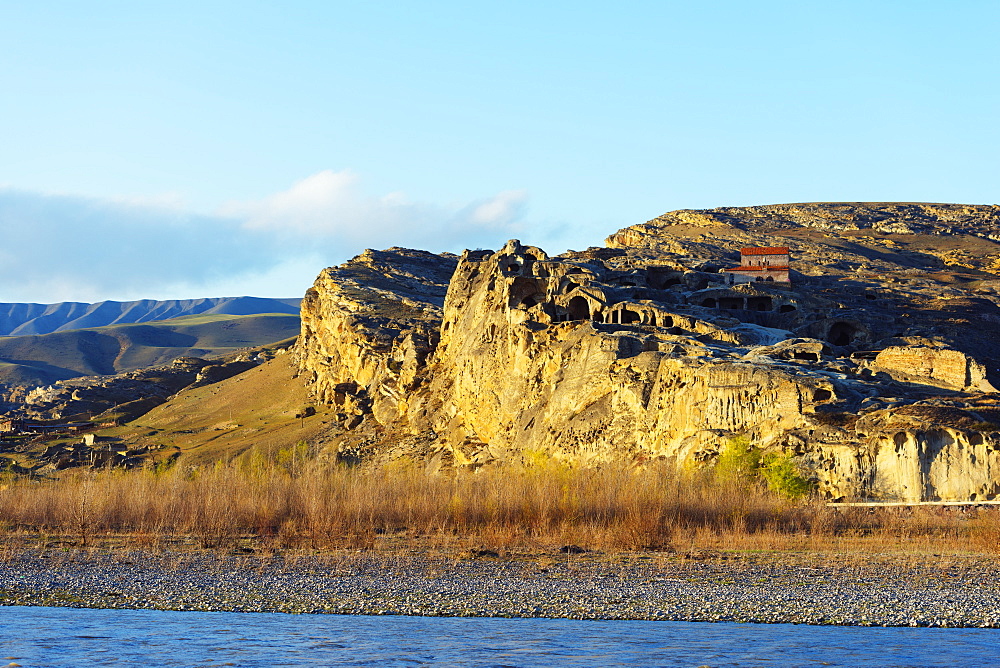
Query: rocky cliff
875,368
368,328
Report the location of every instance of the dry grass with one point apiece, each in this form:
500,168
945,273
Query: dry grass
252,410
286,503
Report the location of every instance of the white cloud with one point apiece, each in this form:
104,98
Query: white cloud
332,208
502,211
75,248
290,277
318,204
62,248
165,201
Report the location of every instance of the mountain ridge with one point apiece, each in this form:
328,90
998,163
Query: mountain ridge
872,372
18,319
41,359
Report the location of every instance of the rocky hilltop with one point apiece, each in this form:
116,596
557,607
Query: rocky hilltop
875,367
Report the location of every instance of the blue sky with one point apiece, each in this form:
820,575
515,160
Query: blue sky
184,149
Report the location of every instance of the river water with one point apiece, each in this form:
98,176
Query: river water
83,637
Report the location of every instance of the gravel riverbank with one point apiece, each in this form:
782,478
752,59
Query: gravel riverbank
891,590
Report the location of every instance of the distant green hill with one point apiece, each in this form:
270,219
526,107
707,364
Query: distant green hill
45,358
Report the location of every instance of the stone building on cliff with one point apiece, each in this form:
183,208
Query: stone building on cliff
760,263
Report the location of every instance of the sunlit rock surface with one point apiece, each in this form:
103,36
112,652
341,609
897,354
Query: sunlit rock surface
875,368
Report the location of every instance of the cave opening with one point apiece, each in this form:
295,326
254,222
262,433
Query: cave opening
841,333
578,309
822,395
759,303
524,289
628,317
659,278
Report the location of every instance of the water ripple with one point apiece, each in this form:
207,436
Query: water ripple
86,637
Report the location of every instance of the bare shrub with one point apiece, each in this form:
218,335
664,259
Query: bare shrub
543,503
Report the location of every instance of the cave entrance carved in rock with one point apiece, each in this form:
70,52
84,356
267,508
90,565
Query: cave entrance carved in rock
578,309
628,317
842,333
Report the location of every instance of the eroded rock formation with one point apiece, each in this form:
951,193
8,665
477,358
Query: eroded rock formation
368,328
874,367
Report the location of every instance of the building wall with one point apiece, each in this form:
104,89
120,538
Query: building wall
765,260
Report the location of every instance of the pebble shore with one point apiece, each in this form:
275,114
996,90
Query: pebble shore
938,590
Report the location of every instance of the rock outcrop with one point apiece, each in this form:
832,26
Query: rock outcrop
943,367
368,328
875,369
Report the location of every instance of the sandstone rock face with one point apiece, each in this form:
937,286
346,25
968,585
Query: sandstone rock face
951,369
940,464
368,327
873,378
910,454
564,357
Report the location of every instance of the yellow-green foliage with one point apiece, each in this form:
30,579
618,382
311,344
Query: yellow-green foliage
293,459
783,477
740,459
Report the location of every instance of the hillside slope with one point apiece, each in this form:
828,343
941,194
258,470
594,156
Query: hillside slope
45,358
23,319
256,409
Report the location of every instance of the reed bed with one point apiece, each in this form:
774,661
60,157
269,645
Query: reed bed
533,506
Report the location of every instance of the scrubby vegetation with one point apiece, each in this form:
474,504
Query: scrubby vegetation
740,460
290,501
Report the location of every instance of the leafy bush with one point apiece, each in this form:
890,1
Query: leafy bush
783,476
740,459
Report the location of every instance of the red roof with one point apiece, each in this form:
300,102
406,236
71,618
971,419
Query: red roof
765,250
